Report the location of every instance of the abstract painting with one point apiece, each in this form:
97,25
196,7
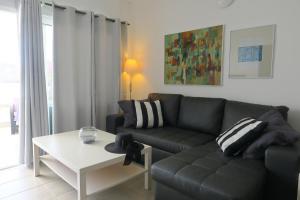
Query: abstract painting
251,52
194,57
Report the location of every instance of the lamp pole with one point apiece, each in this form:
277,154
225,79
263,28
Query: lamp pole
130,86
131,68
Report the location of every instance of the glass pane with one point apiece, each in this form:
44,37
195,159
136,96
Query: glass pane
9,89
48,56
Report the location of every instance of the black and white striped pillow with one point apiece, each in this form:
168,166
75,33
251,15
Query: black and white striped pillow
148,114
240,136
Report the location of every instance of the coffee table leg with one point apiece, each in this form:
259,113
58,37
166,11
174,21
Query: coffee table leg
36,160
148,162
81,186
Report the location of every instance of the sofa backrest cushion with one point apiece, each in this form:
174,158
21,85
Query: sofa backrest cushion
201,114
170,106
235,111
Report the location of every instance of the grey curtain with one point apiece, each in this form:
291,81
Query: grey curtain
87,69
124,55
72,83
33,105
108,59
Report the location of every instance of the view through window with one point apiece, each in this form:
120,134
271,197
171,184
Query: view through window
48,57
9,89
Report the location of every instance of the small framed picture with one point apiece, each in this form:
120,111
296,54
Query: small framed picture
251,52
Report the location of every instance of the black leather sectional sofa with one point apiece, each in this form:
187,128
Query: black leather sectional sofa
188,164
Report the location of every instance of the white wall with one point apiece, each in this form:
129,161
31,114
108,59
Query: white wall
152,19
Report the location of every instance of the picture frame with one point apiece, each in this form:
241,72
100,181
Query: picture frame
252,52
195,57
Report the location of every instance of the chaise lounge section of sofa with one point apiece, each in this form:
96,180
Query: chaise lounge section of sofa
188,164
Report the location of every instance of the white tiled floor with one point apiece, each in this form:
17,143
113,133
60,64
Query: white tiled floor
18,183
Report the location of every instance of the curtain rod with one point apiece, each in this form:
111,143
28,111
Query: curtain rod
83,13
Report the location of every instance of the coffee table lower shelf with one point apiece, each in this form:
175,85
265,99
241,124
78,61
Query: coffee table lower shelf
98,180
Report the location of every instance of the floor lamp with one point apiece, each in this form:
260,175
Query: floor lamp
131,67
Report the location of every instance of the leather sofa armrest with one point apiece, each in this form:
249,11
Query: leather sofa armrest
282,164
113,122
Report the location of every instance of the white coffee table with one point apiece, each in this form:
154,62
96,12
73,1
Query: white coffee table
88,168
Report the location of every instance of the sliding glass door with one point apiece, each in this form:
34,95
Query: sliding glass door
48,57
10,79
9,89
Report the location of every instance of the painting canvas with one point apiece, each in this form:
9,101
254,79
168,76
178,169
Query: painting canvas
251,54
194,57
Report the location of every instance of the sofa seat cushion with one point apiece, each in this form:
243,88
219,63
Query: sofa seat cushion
169,139
204,173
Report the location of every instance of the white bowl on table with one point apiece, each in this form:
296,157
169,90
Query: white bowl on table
88,134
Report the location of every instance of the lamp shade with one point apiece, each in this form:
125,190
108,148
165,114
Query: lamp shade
131,66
